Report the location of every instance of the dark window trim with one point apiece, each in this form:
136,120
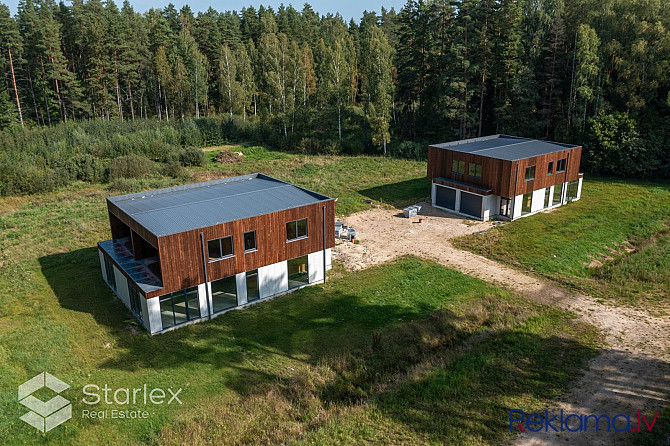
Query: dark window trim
550,171
227,256
109,266
133,293
247,251
183,295
476,165
302,237
458,164
565,162
526,174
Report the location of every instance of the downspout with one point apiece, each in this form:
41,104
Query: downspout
204,267
324,243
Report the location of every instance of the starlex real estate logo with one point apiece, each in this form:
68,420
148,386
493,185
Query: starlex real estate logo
45,415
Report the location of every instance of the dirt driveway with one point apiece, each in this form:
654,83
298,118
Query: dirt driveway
632,371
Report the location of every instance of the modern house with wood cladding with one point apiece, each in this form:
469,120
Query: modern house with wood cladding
502,176
187,253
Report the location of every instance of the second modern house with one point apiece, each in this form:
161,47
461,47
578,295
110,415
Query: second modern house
182,254
503,176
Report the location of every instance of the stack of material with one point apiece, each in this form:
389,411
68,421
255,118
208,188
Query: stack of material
411,211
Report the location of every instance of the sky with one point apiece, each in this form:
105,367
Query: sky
347,8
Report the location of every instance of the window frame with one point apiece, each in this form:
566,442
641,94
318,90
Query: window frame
244,241
476,167
530,203
550,168
233,281
109,268
180,296
211,259
134,297
561,165
530,170
460,167
572,186
297,235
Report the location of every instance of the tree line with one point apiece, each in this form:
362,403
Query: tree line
593,72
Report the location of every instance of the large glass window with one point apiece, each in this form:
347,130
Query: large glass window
179,307
250,241
298,274
135,303
109,270
530,173
474,170
220,248
224,294
558,192
458,166
526,203
560,165
550,168
296,229
504,207
547,197
252,286
571,193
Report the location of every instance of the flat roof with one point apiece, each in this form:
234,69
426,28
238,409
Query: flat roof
199,205
505,147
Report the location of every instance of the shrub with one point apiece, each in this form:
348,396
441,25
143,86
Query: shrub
410,150
131,166
192,156
175,170
86,167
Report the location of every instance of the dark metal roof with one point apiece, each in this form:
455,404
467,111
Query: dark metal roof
510,148
182,208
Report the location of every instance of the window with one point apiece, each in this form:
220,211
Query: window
135,304
474,170
296,229
504,207
250,241
547,197
558,192
458,166
179,307
220,248
571,193
560,165
526,203
252,286
550,168
530,173
109,270
224,294
297,272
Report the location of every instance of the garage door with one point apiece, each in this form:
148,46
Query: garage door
445,197
471,204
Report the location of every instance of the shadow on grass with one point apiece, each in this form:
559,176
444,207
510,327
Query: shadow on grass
400,193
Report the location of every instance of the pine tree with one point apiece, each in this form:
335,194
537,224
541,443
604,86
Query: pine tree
11,48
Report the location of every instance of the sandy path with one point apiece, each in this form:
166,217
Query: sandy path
632,371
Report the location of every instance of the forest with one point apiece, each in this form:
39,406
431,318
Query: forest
86,82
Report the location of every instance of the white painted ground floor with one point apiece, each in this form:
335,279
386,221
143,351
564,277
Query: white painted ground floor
211,299
485,207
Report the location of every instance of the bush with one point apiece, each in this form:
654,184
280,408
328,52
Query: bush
192,156
131,166
410,150
86,167
174,170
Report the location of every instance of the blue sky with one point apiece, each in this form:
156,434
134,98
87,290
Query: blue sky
347,8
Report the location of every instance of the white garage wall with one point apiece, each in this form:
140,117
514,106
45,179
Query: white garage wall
273,279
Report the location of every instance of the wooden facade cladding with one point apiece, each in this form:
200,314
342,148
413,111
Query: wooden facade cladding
501,176
181,254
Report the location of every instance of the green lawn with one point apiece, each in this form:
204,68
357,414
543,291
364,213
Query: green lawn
366,357
623,225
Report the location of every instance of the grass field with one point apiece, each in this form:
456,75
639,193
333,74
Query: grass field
408,352
614,243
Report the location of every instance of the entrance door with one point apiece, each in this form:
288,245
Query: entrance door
252,285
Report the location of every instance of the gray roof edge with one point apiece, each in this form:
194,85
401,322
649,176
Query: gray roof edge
452,145
172,189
